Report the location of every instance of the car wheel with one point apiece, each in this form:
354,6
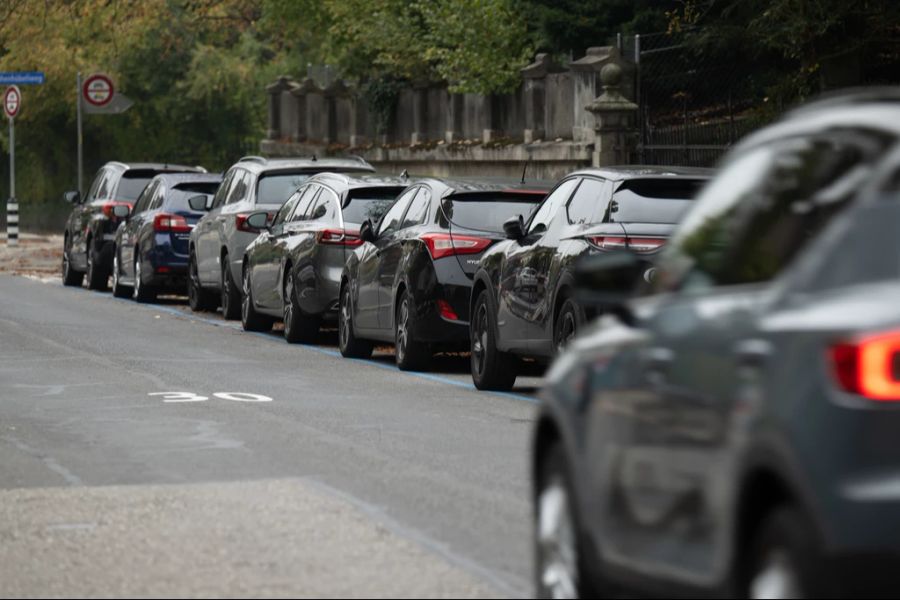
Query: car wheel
410,354
231,295
298,327
97,279
141,292
568,322
199,299
492,369
351,346
250,319
70,276
560,569
785,559
118,290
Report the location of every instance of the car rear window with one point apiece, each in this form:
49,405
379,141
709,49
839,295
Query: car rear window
369,203
181,193
132,184
652,200
487,211
276,188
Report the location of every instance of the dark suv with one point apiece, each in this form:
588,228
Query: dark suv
522,301
218,242
734,433
90,232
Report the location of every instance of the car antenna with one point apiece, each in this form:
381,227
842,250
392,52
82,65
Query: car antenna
525,168
404,174
314,159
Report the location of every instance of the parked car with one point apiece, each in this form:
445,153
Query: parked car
734,432
292,271
218,242
522,300
409,283
91,227
151,245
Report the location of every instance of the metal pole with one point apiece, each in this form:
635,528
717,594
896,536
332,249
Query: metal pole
12,207
78,112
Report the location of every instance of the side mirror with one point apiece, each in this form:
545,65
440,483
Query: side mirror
121,211
258,220
366,231
199,203
605,282
514,228
72,197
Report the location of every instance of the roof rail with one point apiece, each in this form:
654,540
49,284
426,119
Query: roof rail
358,158
252,158
118,163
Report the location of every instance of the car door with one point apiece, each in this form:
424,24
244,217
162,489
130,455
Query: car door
205,235
146,235
225,224
702,372
129,238
525,290
314,263
368,271
80,220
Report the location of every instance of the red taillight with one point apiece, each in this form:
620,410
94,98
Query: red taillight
866,366
108,208
639,245
338,237
164,222
447,311
443,244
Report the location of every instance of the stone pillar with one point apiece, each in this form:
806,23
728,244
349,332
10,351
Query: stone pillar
454,118
301,133
493,105
420,113
274,90
586,76
334,93
535,94
615,137
359,121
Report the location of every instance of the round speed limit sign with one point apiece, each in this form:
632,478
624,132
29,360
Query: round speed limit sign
12,101
98,90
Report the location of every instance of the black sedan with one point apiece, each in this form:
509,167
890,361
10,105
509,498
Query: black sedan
522,300
292,271
409,283
734,433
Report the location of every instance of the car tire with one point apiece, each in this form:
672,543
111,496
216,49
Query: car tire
561,565
118,290
250,319
199,299
97,279
70,276
492,369
785,559
410,354
350,345
231,294
568,323
141,292
298,326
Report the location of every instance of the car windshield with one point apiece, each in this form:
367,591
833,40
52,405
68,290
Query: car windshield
369,203
487,211
179,196
652,200
276,188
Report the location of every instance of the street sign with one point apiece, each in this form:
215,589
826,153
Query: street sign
119,104
98,90
12,101
21,77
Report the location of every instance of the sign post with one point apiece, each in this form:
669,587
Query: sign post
78,112
12,104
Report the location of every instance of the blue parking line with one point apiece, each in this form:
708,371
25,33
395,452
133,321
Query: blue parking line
328,351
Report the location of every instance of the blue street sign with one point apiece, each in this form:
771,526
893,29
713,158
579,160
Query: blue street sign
21,77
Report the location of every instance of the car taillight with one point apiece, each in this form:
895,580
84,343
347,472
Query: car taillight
868,366
338,237
109,206
639,245
443,244
447,311
165,222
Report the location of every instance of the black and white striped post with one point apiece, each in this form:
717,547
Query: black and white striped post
12,103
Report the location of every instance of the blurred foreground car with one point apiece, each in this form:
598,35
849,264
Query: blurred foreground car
409,283
292,271
91,227
735,433
151,246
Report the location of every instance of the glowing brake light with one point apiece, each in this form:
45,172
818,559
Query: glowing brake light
164,222
338,237
869,366
443,244
640,245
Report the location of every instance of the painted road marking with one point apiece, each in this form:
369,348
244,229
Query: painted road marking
176,397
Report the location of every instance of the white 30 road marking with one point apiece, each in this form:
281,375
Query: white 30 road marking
173,397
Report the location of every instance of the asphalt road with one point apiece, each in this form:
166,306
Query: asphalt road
308,474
